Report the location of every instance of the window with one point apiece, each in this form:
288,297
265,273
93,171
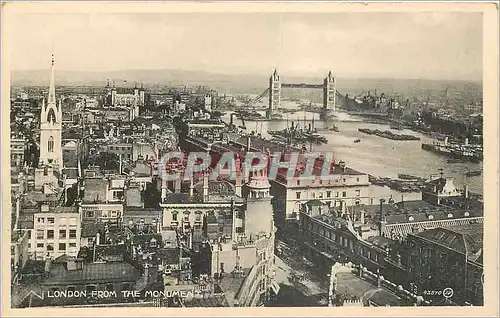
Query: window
314,195
50,247
298,182
298,195
344,194
89,214
50,234
357,179
62,234
51,220
50,144
40,234
336,194
72,234
328,194
114,214
117,194
62,246
174,216
152,243
72,245
104,214
358,193
40,245
72,221
41,220
198,216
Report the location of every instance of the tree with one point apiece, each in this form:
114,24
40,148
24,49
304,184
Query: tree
72,194
107,161
151,196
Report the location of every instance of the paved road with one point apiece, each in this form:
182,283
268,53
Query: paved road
299,285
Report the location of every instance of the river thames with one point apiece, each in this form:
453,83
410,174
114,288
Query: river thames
376,155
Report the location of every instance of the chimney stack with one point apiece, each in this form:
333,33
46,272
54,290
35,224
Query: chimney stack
191,186
178,183
249,141
146,272
382,217
205,184
163,189
238,184
48,263
466,191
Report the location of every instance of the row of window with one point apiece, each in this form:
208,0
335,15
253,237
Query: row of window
127,148
186,216
328,194
321,181
344,242
50,246
62,221
104,214
49,234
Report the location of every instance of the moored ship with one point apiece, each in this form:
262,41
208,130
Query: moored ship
466,151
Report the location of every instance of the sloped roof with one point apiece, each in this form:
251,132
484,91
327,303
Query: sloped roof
465,239
95,272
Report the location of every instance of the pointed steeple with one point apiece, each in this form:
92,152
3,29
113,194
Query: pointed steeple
52,88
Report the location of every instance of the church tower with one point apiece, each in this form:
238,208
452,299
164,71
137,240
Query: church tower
51,127
259,217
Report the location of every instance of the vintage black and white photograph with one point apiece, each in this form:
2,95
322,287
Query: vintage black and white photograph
246,159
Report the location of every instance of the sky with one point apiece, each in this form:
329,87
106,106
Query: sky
369,44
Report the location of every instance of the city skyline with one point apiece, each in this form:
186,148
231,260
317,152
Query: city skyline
377,45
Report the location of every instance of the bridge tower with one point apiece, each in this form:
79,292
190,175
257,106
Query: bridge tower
329,95
274,93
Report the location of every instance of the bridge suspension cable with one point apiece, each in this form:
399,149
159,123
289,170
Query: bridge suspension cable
256,99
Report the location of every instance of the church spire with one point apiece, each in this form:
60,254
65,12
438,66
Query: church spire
52,88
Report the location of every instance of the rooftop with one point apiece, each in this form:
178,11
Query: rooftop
465,239
60,209
182,198
417,211
93,272
216,187
71,173
169,255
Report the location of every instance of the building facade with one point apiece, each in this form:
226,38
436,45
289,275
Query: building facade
56,232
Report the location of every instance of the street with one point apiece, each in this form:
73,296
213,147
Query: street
299,284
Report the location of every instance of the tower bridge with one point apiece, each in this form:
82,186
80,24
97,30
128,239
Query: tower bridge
330,93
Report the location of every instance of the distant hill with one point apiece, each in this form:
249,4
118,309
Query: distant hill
237,83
